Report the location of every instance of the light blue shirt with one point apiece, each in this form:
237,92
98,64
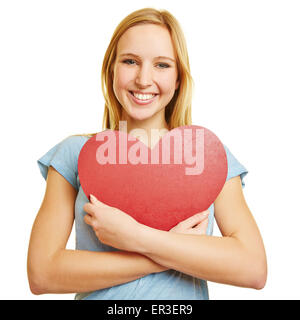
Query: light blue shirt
167,285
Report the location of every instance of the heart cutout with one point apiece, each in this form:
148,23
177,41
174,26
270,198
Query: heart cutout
181,176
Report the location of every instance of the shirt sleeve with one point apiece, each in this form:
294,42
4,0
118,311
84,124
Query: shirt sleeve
235,168
63,157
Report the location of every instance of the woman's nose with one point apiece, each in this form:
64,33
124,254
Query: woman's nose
144,76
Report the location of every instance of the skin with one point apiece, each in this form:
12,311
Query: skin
237,257
144,72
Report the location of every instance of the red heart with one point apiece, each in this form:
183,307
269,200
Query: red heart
156,194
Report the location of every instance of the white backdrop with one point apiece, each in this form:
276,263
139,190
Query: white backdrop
244,58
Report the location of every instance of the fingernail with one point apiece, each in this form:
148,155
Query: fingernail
92,197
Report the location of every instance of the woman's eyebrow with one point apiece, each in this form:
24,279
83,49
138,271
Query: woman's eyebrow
134,55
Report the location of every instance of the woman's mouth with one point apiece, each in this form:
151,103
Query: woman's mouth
142,99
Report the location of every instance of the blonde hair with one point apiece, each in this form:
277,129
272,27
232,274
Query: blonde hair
178,111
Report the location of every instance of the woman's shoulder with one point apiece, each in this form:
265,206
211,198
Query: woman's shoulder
68,147
72,145
63,157
234,166
75,141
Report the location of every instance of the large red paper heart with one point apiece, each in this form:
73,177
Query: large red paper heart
181,176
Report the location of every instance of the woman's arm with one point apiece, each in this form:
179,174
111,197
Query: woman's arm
54,269
237,258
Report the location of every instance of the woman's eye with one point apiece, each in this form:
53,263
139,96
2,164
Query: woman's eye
128,61
164,65
161,65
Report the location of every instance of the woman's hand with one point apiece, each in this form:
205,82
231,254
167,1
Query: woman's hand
196,224
117,229
112,226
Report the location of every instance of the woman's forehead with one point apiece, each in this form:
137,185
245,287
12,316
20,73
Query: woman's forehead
146,38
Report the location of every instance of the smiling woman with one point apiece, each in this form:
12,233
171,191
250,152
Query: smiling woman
146,83
149,53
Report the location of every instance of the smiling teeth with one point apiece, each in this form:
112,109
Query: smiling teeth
143,96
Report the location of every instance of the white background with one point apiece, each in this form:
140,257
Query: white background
244,58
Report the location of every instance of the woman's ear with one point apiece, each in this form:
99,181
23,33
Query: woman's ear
177,84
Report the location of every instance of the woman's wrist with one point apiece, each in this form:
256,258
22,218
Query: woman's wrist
157,267
144,238
138,244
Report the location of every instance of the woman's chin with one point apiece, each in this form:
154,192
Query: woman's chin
142,115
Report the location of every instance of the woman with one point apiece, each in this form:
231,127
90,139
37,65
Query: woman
146,82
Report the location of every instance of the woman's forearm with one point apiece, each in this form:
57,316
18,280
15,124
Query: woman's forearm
218,259
71,271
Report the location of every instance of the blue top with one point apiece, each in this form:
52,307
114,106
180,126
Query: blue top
166,285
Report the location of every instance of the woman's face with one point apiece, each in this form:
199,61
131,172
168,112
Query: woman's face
145,72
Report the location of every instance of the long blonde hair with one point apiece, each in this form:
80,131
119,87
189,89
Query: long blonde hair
178,111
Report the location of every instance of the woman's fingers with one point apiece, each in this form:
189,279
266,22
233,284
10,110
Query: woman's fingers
88,219
88,208
187,225
201,227
91,208
194,220
95,201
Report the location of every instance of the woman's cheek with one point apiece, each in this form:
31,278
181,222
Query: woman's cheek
167,82
124,76
119,84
